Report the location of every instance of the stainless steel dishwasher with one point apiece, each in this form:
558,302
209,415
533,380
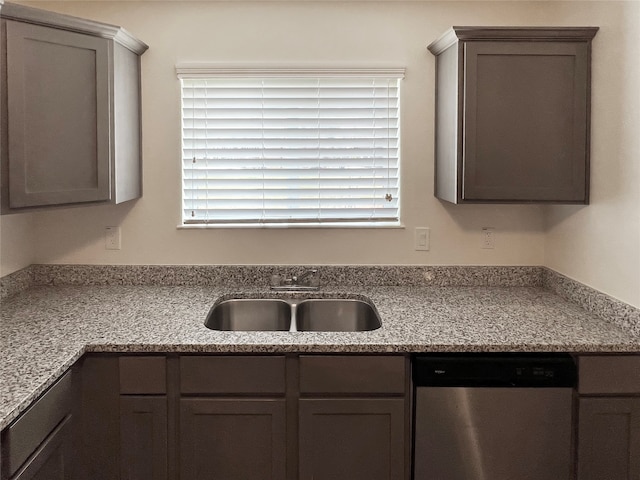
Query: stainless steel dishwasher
493,416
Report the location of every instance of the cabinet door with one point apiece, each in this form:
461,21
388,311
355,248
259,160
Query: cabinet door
53,459
351,439
58,116
232,439
143,438
526,125
609,439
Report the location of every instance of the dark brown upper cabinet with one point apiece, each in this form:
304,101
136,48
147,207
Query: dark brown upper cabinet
512,114
70,104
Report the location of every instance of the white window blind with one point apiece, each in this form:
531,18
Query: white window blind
291,147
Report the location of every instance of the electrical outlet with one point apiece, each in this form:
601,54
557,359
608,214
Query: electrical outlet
421,239
488,237
112,238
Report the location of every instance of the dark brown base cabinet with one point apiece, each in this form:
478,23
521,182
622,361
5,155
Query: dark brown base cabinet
609,441
609,418
272,417
54,458
42,444
353,415
352,438
512,114
307,417
143,438
143,417
232,439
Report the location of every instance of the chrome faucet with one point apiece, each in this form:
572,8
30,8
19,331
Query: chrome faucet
305,281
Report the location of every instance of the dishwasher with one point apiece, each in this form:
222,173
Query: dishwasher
493,416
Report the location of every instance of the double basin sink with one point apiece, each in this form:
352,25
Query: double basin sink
293,315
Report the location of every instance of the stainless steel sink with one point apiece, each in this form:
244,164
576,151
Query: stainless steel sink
294,315
251,315
336,315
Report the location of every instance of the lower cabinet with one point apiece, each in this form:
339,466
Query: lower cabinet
609,439
351,439
306,417
54,458
232,439
217,417
143,417
143,438
609,418
41,443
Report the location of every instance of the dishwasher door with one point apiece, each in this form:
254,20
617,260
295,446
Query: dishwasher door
493,433
493,416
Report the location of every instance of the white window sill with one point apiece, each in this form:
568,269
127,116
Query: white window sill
374,225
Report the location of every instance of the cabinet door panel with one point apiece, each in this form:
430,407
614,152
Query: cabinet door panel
143,438
24,436
58,104
609,439
232,439
351,439
52,460
526,128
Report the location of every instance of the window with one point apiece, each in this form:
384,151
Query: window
308,147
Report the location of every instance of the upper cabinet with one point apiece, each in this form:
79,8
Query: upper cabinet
70,104
512,114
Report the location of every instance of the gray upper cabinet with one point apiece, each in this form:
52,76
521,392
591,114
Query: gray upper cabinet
512,115
70,110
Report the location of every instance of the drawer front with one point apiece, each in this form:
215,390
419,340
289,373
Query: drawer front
609,375
352,374
229,375
143,375
22,438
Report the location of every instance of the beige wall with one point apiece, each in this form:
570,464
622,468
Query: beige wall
600,244
357,33
17,242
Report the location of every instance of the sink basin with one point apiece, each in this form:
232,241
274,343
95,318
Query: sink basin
336,315
307,315
250,315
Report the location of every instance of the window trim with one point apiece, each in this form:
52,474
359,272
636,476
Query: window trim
205,70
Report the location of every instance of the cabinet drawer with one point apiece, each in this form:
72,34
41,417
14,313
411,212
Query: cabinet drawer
609,375
143,375
352,374
22,438
230,375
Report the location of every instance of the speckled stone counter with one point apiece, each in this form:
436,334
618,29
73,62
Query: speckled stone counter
45,329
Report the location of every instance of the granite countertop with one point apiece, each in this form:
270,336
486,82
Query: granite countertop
45,329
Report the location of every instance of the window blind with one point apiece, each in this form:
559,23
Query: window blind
308,147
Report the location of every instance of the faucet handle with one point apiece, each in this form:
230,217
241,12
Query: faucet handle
309,274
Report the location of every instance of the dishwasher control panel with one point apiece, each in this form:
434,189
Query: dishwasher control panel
494,370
